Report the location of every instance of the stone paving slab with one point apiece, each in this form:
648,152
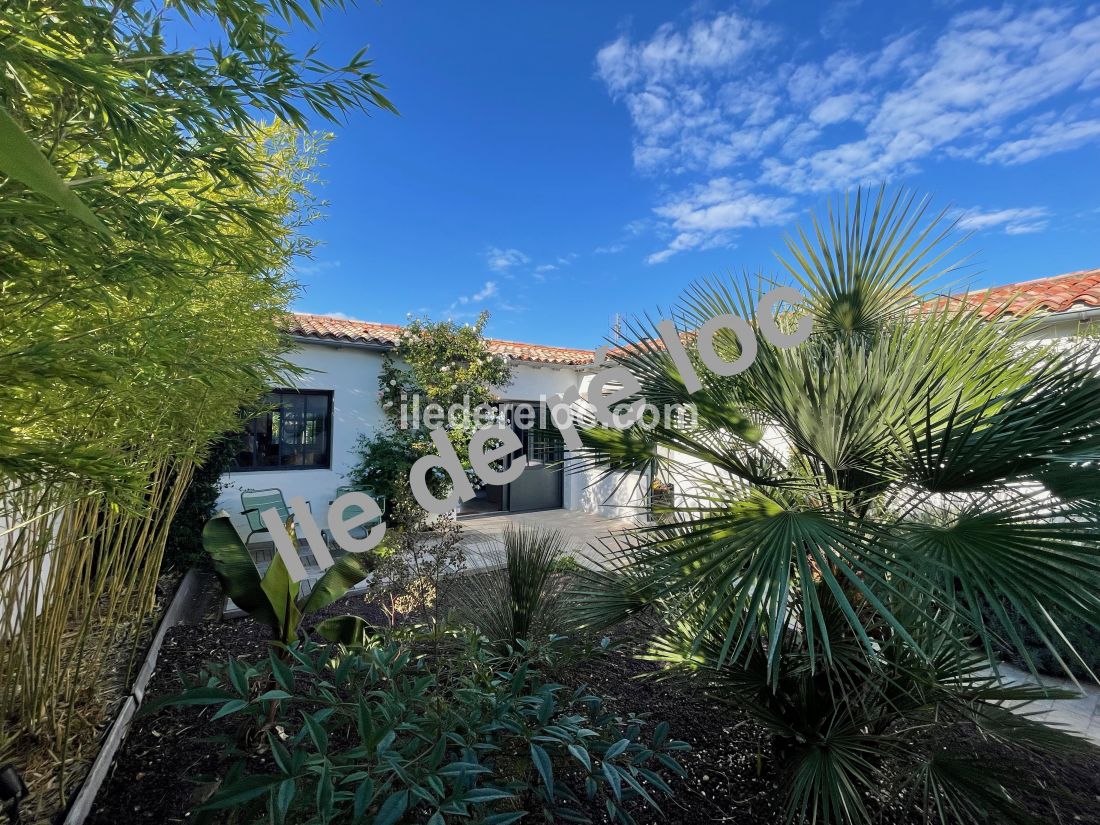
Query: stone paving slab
583,532
1079,715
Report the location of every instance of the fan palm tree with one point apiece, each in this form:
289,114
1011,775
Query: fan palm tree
853,510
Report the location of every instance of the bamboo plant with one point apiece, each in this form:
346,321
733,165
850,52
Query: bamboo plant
142,289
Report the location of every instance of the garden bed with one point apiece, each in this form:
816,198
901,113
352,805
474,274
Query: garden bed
172,759
99,704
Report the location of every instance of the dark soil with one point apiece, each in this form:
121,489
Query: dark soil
170,758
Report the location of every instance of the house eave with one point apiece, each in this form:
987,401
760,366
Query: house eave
1084,313
339,343
1046,320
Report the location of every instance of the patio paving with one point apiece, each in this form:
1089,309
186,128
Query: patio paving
580,529
1079,716
480,535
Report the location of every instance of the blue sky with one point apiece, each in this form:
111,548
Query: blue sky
557,163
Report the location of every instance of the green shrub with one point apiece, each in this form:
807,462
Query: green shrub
183,547
389,731
518,596
434,362
418,552
385,459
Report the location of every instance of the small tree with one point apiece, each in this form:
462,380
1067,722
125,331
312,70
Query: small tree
417,553
435,363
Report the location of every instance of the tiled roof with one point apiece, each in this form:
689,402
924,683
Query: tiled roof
1059,293
386,335
342,329
540,353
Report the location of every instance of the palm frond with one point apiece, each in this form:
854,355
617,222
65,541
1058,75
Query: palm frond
866,265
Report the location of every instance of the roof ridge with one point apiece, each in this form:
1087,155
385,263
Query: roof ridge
541,346
332,328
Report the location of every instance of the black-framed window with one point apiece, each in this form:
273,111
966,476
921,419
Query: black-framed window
294,432
545,445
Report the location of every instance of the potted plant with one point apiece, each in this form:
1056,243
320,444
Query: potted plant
661,501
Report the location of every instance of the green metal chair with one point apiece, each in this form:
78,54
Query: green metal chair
380,500
255,502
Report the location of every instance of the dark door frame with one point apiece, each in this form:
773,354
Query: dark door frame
506,492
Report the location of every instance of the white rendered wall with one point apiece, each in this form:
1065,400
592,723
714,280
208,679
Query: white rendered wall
612,497
531,382
352,375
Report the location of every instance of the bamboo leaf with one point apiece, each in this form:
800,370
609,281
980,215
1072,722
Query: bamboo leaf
23,161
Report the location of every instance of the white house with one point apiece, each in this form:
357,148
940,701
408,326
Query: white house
326,410
337,400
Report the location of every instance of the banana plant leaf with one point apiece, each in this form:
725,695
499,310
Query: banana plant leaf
282,594
236,571
347,572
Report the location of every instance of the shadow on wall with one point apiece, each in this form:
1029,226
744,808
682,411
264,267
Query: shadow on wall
612,497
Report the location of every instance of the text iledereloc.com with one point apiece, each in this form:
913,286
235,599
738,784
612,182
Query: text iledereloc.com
494,442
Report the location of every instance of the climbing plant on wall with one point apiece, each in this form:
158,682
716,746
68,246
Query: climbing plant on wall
439,374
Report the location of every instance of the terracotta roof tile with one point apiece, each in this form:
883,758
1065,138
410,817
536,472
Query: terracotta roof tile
1058,293
327,328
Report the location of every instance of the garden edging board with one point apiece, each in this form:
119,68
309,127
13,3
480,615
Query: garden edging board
81,805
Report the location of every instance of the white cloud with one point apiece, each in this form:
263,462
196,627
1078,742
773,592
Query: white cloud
836,108
542,270
836,17
718,43
704,216
501,260
1018,221
1046,140
670,84
987,69
721,99
487,291
609,249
